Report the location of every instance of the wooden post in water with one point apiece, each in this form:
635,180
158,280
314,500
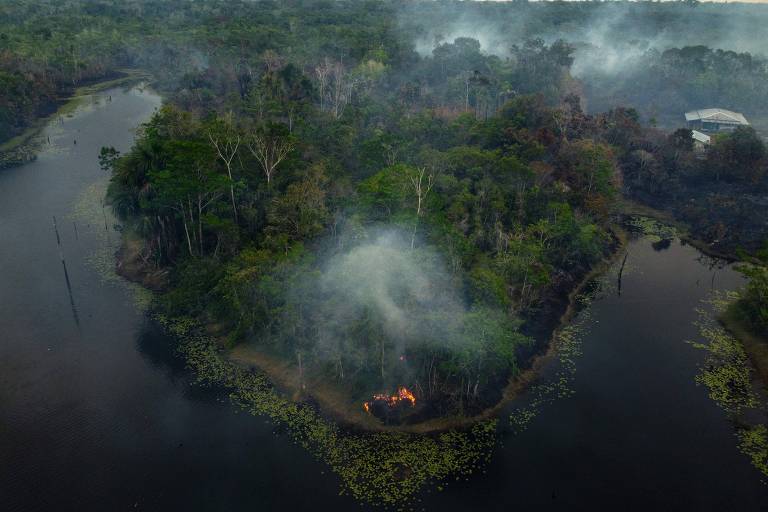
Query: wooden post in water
58,239
66,275
104,212
621,270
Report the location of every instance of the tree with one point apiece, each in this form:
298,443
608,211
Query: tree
521,259
682,139
589,169
739,156
386,191
301,212
754,300
269,149
189,186
422,182
225,139
108,156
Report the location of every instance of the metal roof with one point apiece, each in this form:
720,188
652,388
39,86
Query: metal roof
716,115
701,137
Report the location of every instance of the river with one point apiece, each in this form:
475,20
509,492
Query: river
98,413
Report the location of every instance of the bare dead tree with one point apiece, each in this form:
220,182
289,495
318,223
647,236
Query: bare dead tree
226,143
269,151
342,89
322,72
560,117
335,87
421,188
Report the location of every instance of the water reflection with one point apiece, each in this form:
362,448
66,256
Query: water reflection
158,349
661,245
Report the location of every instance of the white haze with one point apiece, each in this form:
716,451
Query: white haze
609,41
408,293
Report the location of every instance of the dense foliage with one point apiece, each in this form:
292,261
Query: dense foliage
654,57
719,190
260,215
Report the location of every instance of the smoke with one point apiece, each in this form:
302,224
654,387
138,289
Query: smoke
494,38
381,292
381,276
611,37
616,39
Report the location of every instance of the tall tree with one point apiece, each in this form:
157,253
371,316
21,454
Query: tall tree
225,139
189,186
269,149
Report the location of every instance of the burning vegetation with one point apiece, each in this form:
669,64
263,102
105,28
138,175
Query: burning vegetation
389,402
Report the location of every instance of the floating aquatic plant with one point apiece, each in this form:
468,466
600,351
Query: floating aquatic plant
727,374
753,442
568,342
382,468
726,371
94,219
652,229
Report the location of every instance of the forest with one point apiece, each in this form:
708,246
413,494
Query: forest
396,195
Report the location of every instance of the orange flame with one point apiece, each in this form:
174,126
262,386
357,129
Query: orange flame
402,394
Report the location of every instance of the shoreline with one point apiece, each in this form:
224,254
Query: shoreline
328,400
632,207
333,404
755,346
22,148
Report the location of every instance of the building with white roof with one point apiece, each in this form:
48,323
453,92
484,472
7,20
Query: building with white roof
700,140
714,120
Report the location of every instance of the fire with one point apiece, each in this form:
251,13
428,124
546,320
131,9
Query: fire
402,394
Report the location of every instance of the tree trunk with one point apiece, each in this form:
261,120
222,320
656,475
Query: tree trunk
301,370
413,235
186,229
232,193
200,223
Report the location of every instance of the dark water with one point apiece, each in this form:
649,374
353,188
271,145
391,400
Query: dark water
96,412
638,434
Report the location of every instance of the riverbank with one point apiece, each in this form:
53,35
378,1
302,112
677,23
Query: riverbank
24,147
755,346
519,383
130,265
338,406
629,207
